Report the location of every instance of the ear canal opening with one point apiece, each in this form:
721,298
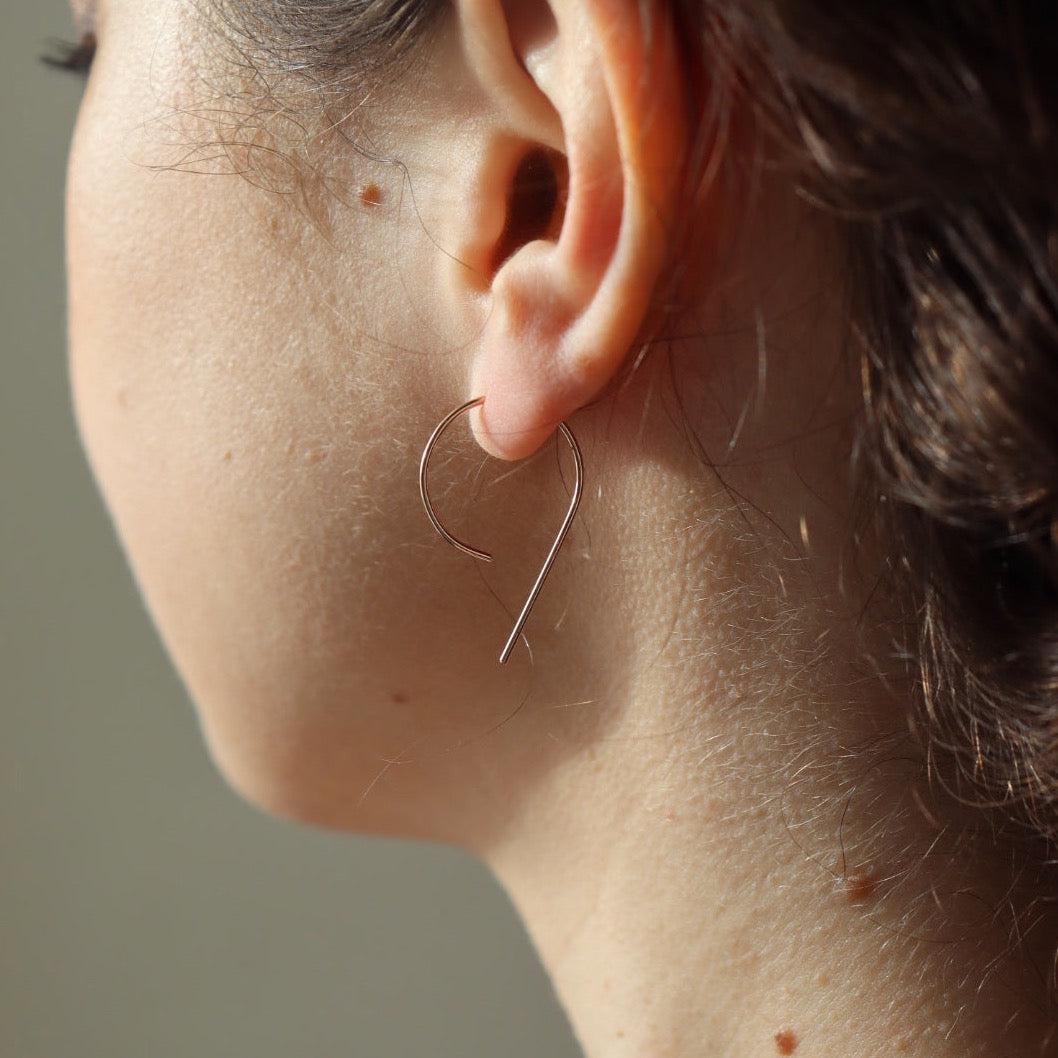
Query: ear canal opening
536,203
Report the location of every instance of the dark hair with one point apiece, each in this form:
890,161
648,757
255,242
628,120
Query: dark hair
332,43
926,130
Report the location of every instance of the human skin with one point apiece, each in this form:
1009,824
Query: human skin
259,349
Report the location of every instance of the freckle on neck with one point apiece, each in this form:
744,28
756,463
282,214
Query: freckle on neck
860,887
786,1041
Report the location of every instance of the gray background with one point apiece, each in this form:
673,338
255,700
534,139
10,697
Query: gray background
144,911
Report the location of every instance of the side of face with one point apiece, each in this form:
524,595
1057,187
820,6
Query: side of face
255,369
272,306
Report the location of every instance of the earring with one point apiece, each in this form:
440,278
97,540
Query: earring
578,488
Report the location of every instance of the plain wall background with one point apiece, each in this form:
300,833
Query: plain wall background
144,911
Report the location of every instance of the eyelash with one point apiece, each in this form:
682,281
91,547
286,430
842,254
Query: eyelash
75,58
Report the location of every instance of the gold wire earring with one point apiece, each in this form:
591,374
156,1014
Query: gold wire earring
578,488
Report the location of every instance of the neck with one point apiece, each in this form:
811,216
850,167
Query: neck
744,857
685,905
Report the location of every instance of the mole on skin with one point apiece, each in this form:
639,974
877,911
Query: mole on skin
785,1041
860,886
370,195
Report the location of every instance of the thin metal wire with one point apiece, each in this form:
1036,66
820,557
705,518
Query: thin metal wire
578,488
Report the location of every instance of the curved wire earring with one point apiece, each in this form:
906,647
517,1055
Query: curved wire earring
578,488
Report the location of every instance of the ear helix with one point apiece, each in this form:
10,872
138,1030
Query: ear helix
578,488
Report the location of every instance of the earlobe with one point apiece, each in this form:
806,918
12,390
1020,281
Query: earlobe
567,301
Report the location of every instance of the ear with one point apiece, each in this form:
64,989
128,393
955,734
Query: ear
582,161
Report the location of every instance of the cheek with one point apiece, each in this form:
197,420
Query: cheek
256,439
